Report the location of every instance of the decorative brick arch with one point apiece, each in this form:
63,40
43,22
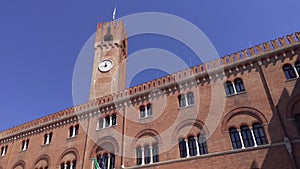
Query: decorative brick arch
40,159
146,133
252,114
292,106
68,155
19,165
104,141
192,123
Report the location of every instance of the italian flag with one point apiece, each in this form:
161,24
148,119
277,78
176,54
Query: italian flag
95,164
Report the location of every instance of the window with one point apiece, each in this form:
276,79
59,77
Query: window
239,85
259,134
297,66
202,144
139,158
229,88
247,136
47,138
234,88
289,71
106,160
298,121
3,150
190,98
73,130
108,121
114,119
146,111
182,148
25,144
186,100
192,146
181,100
68,165
155,153
142,111
235,138
147,155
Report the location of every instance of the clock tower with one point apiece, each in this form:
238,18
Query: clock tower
109,68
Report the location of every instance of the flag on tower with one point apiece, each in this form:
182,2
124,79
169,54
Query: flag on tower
114,13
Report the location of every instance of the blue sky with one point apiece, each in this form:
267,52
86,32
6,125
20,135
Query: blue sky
41,40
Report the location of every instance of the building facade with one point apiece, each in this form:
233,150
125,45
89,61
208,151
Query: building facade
239,111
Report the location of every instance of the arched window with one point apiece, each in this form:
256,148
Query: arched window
47,138
3,150
146,111
139,156
229,88
147,154
149,109
235,138
100,123
186,100
73,130
297,66
289,71
25,144
155,153
114,119
202,144
259,134
107,121
182,148
190,98
192,146
239,86
247,136
181,100
142,111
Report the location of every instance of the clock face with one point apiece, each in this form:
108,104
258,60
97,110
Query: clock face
105,65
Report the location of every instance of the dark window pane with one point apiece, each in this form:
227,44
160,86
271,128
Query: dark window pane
297,65
247,136
190,98
259,134
114,119
202,145
181,100
155,153
239,85
142,111
289,71
192,146
107,120
100,123
147,155
229,88
71,131
149,109
139,156
182,149
235,138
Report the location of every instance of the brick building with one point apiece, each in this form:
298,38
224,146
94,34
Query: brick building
239,111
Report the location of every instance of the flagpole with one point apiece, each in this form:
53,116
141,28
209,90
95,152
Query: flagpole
92,163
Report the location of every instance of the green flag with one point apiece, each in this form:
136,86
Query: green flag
96,163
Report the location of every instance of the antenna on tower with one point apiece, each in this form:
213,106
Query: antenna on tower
114,14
